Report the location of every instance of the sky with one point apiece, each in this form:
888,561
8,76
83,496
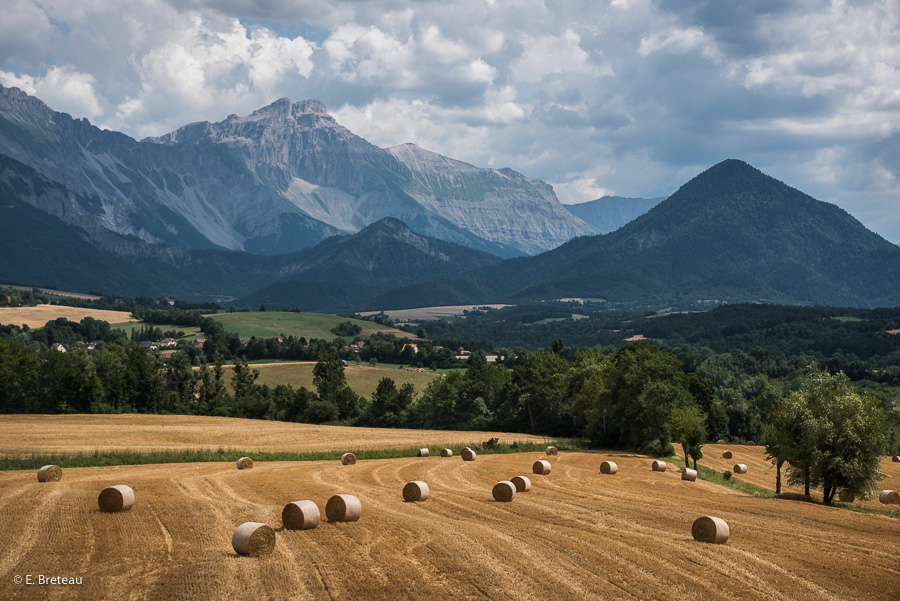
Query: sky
622,97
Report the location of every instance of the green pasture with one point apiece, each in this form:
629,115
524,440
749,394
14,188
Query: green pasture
361,378
189,332
270,324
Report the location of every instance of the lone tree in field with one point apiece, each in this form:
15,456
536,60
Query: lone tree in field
331,384
688,424
831,436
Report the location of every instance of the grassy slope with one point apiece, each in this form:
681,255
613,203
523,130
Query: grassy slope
268,324
362,379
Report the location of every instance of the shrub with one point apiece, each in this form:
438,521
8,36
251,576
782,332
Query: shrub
346,328
490,444
726,474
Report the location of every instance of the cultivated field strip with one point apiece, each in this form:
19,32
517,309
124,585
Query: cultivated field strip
26,434
576,535
37,317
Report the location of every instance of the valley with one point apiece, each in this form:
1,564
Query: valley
449,301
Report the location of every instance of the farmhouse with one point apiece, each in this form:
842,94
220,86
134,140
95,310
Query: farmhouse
167,342
148,346
58,347
199,342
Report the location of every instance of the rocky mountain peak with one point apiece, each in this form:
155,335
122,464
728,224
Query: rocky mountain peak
295,175
311,106
283,108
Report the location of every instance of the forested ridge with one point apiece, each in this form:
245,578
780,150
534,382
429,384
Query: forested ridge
820,332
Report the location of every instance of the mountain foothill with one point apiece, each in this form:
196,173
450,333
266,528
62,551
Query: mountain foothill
287,207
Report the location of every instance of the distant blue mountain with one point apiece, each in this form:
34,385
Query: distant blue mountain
609,213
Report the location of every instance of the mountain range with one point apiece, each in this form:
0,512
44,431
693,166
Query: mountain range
335,275
283,178
288,208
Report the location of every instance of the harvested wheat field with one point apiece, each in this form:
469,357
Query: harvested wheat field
761,472
37,317
576,535
26,434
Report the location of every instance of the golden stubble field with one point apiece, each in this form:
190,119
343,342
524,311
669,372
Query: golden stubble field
761,472
576,535
27,434
37,317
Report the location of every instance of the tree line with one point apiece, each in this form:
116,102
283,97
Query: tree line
638,396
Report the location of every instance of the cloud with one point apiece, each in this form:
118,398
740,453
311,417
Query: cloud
209,71
681,41
555,55
24,29
64,88
632,97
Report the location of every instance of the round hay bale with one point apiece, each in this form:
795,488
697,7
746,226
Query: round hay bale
116,498
348,459
846,496
415,491
896,458
541,467
609,467
720,441
522,484
727,455
50,473
740,468
889,497
658,466
423,452
468,454
253,539
244,463
504,491
688,474
300,515
446,452
552,451
709,529
750,443
343,508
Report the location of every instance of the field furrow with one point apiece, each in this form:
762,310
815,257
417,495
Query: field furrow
576,535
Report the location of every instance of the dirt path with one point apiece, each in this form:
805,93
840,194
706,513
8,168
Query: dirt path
577,535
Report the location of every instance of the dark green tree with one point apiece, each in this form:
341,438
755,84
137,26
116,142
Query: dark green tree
389,406
181,383
833,436
688,424
331,384
641,385
212,392
248,402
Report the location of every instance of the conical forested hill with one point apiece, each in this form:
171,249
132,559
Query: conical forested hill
730,234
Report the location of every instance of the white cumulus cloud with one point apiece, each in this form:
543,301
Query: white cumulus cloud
630,96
